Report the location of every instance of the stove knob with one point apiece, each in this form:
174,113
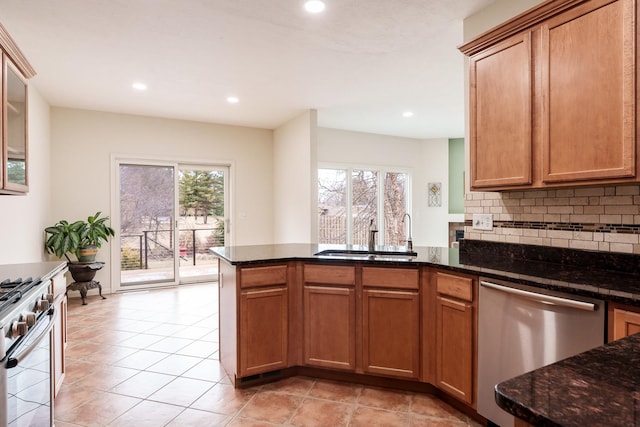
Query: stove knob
19,329
49,298
43,305
29,318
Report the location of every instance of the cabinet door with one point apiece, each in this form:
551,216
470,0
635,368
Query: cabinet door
500,100
59,342
454,347
588,86
623,321
263,331
329,327
390,336
14,129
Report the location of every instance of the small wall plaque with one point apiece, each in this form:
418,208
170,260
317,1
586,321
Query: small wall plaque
435,194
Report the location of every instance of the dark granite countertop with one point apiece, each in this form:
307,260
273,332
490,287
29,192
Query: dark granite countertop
600,387
607,276
244,255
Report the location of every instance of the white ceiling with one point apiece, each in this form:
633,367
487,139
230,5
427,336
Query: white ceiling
361,63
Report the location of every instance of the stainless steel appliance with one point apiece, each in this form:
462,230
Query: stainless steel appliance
521,328
26,384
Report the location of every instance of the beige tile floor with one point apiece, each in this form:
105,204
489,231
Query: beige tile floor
150,359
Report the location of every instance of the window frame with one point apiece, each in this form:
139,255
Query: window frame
381,170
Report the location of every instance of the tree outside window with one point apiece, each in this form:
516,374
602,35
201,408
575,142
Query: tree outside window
349,198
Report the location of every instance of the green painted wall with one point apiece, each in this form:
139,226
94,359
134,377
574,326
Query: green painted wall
456,175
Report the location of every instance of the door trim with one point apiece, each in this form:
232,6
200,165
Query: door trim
116,160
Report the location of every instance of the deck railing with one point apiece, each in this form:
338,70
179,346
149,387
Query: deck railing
137,250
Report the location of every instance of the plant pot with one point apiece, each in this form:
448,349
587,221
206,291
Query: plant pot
84,271
87,253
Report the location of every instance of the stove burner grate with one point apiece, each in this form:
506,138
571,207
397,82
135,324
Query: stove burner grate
12,290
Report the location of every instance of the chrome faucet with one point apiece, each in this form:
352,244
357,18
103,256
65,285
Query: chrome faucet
373,229
409,240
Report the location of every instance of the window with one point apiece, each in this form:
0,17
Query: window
348,198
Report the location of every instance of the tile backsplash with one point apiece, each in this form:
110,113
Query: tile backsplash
603,219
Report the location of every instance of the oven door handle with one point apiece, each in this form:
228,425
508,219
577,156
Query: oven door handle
14,360
545,299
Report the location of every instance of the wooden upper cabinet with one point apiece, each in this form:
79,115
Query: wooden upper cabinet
500,98
552,97
588,83
14,167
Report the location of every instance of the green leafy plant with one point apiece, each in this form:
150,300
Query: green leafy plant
64,237
96,231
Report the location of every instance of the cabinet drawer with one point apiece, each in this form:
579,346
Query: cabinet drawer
455,286
263,276
396,278
59,284
331,275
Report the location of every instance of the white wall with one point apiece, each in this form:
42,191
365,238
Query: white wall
493,15
435,219
426,160
294,180
23,218
82,143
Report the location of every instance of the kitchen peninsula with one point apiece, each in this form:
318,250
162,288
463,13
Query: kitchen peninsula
400,321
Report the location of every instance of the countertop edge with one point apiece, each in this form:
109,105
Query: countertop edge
553,277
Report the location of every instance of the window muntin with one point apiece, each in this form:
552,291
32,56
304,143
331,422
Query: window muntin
348,198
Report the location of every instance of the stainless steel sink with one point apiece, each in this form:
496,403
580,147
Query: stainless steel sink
377,255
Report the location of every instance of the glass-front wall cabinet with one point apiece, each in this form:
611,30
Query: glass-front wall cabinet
15,71
14,117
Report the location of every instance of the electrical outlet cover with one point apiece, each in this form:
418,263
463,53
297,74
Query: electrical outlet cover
483,222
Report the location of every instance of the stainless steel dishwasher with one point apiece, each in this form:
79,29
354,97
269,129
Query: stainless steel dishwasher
521,328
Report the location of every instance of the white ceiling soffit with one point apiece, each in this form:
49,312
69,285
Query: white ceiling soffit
361,63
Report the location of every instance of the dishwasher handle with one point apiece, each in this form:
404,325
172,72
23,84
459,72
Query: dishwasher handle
545,299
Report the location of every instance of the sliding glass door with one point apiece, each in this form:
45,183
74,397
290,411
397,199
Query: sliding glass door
201,220
169,216
147,212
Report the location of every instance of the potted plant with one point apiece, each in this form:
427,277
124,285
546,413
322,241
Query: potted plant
82,239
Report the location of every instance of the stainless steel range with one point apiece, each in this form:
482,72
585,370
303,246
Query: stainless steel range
26,320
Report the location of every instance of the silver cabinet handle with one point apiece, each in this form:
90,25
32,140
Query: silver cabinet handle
545,299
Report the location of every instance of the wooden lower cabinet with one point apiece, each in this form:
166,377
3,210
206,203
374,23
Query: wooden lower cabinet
391,333
454,359
401,323
456,335
263,330
59,342
623,321
58,290
329,327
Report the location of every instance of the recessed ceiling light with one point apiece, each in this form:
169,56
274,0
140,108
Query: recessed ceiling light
139,86
407,114
232,100
314,6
